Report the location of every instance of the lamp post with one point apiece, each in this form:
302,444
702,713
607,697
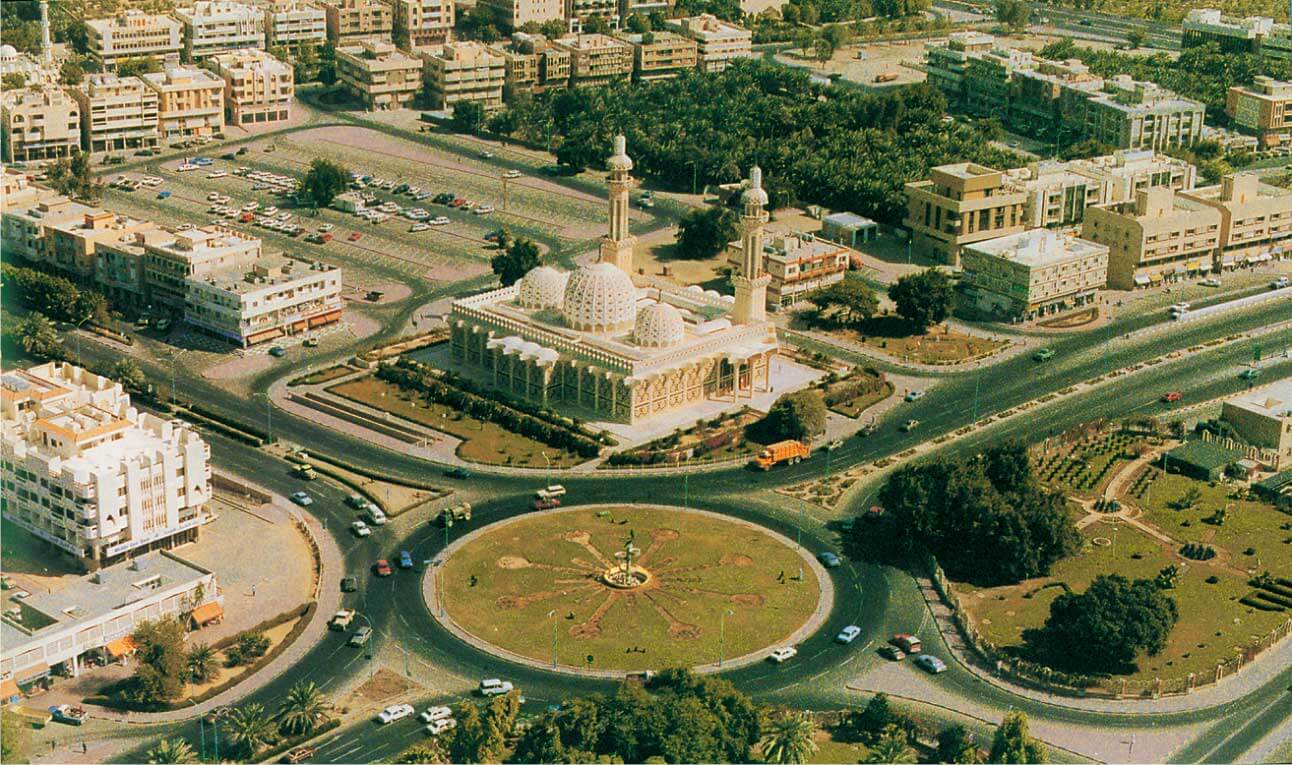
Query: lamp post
173,358
78,339
552,615
269,425
549,467
722,634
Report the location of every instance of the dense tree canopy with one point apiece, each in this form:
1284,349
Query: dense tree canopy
846,303
515,261
1013,744
986,518
923,299
323,181
705,232
162,668
799,415
1106,627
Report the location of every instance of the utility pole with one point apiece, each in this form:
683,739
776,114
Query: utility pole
722,634
552,615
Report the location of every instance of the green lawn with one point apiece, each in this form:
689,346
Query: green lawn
323,375
701,566
482,442
1085,468
853,407
892,335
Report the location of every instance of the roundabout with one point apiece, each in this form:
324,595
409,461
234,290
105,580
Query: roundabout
606,590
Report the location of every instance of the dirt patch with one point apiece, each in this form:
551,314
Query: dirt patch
1072,320
391,292
512,562
747,599
245,366
383,685
362,325
736,559
452,272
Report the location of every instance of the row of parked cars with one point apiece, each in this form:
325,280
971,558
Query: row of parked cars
439,719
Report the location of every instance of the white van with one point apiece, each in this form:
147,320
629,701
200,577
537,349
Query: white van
554,491
375,516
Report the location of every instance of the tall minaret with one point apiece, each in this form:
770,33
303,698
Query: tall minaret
46,49
751,283
617,246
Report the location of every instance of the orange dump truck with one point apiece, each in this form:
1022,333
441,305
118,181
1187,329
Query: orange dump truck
782,451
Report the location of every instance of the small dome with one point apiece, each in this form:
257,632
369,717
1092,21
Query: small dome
659,325
600,298
620,159
755,195
542,287
8,51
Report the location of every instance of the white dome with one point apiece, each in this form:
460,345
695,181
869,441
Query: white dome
8,52
658,325
620,159
542,287
600,298
755,194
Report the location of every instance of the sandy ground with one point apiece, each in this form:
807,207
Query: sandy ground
244,366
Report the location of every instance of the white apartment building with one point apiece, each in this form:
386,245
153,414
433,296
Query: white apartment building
267,299
1033,273
190,101
92,475
379,74
426,22
513,14
91,619
292,24
218,26
258,88
133,34
464,71
1058,193
40,122
172,257
28,212
117,113
719,41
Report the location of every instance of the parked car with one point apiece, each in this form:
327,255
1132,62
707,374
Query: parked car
382,567
1279,283
931,664
829,559
405,559
495,687
302,499
394,712
436,713
892,653
360,529
442,725
375,516
349,584
311,342
1210,282
361,636
511,174
907,642
848,634
783,654
355,236
357,502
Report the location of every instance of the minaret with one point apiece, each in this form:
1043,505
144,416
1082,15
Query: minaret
617,246
46,49
751,283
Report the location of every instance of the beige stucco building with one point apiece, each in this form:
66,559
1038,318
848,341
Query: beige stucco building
1033,273
796,265
962,204
190,101
1255,218
258,88
349,22
263,299
660,55
220,26
1161,236
426,22
133,34
117,113
464,71
379,74
1261,109
596,59
1263,418
532,63
592,341
42,121
513,14
71,245
293,24
718,42
1058,193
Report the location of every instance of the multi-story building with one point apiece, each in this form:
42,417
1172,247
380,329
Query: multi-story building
986,81
645,8
580,11
119,269
190,101
464,71
596,59
270,297
513,14
1263,418
1058,193
1206,25
425,22
961,204
946,62
1261,109
1046,96
379,74
171,258
1130,114
117,113
1160,236
1033,273
90,474
797,263
258,88
1255,218
293,24
90,620
220,26
718,42
28,217
133,34
71,245
350,22
532,63
39,122
660,55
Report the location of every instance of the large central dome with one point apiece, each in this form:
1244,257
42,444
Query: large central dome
600,298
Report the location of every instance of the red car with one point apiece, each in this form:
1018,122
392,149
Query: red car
457,202
546,504
356,236
1171,397
382,568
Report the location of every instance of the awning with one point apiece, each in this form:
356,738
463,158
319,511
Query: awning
32,673
264,335
1228,260
1181,270
9,691
207,613
121,647
1141,279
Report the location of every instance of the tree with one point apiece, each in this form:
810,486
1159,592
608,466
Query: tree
515,261
798,415
1013,13
956,745
201,659
323,181
429,752
128,373
172,751
1106,627
892,746
14,81
75,177
870,723
133,67
253,644
848,302
38,337
541,743
303,709
250,729
499,722
468,737
638,24
923,299
789,740
468,117
77,35
706,232
1134,39
1012,743
162,670
71,73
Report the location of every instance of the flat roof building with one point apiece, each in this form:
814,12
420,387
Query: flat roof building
172,257
117,113
28,212
946,62
258,88
961,204
513,14
596,59
1160,236
718,42
1255,218
190,101
92,475
220,26
134,34
266,299
379,75
350,22
1262,109
798,264
39,122
1033,273
71,245
1263,418
1058,193
660,55
1130,114
464,71
532,63
293,24
848,229
1207,25
425,22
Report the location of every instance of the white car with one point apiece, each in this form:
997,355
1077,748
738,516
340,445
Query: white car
436,713
848,634
439,220
495,687
360,529
326,227
915,395
375,516
511,174
440,726
419,227
483,210
782,655
394,712
1210,282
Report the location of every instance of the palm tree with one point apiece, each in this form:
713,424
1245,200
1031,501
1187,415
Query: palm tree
789,740
201,662
891,747
38,336
427,753
249,728
303,709
172,751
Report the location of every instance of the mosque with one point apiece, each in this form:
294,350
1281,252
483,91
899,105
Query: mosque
594,340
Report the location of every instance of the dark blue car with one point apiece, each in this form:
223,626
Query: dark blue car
405,559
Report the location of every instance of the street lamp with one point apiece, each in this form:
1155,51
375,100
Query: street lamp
549,467
78,338
552,615
269,426
173,358
722,634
